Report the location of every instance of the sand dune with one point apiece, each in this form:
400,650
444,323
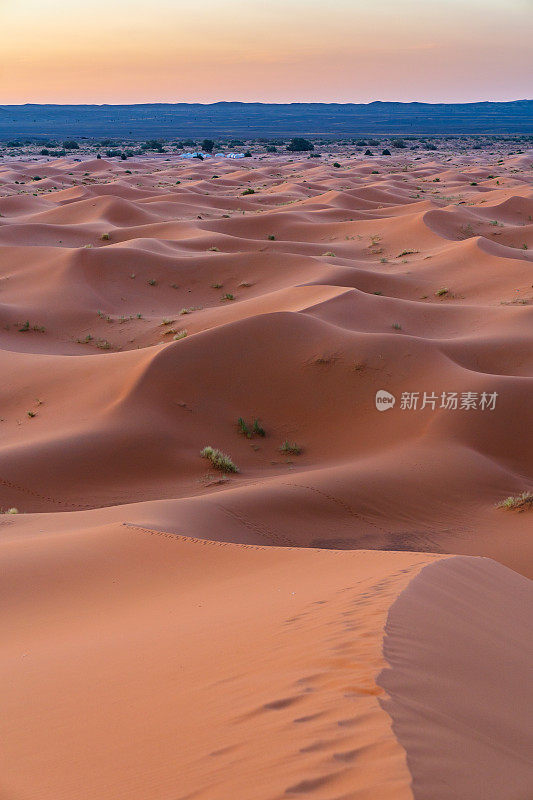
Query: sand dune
325,622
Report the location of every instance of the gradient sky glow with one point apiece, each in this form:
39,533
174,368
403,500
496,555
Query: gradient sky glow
128,51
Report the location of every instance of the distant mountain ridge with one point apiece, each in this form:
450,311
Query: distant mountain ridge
265,119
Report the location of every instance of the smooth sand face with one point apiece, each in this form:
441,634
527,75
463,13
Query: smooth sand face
463,711
174,632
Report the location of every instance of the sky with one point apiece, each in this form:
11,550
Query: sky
133,51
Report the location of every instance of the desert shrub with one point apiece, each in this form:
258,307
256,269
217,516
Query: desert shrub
208,145
398,143
153,144
386,152
243,428
521,502
257,429
70,144
219,459
248,430
248,191
189,310
290,448
300,145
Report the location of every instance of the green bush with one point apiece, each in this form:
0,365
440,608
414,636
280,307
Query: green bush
299,145
290,448
219,459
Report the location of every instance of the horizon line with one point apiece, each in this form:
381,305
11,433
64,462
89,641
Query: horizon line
274,103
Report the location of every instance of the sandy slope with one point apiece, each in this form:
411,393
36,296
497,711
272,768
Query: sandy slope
174,633
463,712
153,666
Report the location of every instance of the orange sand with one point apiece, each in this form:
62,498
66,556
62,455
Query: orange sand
170,634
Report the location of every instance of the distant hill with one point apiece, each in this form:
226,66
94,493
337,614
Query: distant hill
265,119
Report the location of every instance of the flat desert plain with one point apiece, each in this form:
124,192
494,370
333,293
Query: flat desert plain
347,616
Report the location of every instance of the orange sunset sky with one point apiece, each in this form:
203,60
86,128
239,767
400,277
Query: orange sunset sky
343,50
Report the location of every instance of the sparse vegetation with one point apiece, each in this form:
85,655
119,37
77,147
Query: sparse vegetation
520,502
25,327
189,310
248,430
249,190
219,459
290,448
243,428
257,429
300,145
407,253
442,292
227,296
179,335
